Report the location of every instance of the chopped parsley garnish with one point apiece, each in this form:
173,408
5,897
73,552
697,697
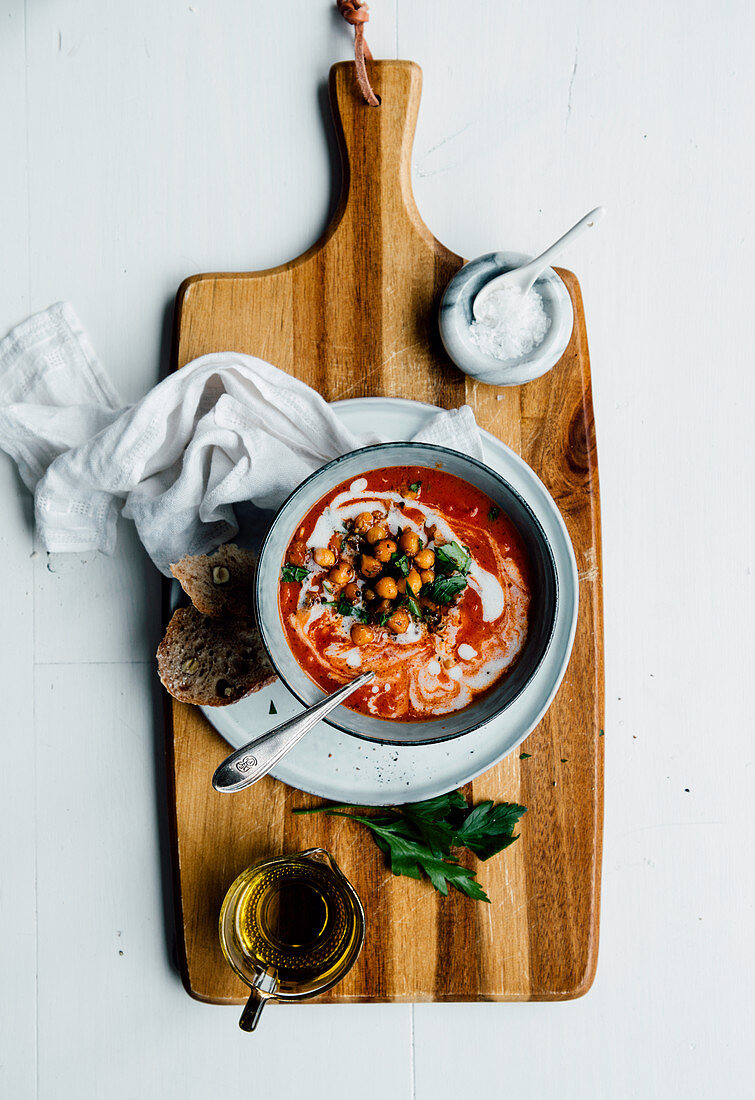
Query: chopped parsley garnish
525,755
411,606
451,557
272,708
400,561
415,486
294,574
443,589
343,607
494,513
418,837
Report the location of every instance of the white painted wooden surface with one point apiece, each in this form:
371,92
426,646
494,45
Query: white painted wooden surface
144,142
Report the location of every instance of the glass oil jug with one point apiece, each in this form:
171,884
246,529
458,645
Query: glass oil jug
291,928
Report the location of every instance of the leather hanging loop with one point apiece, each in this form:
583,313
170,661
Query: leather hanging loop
356,12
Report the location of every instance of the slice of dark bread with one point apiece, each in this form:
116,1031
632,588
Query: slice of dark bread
219,582
212,660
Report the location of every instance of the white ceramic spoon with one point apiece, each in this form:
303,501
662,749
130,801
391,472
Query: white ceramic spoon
523,277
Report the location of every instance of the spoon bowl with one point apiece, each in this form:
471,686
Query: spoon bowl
255,759
523,278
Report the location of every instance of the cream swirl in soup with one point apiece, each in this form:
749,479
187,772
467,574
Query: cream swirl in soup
415,574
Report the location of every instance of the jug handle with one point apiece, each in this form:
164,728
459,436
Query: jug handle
252,1010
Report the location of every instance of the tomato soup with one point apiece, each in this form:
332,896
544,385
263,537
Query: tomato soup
412,573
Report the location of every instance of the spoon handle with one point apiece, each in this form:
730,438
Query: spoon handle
542,261
255,759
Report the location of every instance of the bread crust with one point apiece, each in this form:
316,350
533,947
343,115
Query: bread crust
212,660
218,583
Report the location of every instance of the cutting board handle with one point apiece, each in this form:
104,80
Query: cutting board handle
376,150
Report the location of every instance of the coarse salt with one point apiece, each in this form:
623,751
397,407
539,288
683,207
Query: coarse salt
512,323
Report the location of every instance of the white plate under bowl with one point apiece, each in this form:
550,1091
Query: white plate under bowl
344,768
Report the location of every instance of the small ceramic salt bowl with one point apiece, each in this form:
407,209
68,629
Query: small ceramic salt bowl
456,317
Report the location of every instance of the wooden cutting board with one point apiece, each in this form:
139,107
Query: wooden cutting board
356,316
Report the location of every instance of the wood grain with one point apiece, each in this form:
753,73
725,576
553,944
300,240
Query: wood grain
355,316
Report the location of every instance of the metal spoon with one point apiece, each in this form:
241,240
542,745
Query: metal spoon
523,277
249,763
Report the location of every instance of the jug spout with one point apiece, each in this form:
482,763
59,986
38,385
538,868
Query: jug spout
320,855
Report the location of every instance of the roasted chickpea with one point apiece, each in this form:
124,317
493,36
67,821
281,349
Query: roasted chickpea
370,567
427,576
399,621
342,574
410,543
351,591
414,581
297,555
363,522
377,532
386,588
369,595
361,634
425,559
384,549
324,557
382,606
401,585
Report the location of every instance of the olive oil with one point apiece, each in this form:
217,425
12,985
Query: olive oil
293,925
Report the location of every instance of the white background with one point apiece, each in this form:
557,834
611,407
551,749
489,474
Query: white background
142,142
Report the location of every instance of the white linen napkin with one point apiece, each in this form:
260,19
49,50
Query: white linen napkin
224,429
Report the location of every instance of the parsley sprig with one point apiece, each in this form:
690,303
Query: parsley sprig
293,574
452,558
418,837
452,565
346,609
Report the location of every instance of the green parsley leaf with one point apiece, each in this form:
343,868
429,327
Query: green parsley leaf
400,561
494,513
411,606
410,857
525,755
451,557
272,708
346,609
417,838
414,487
439,806
443,589
293,574
488,829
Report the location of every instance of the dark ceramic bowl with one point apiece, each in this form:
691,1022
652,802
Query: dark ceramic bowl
542,616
